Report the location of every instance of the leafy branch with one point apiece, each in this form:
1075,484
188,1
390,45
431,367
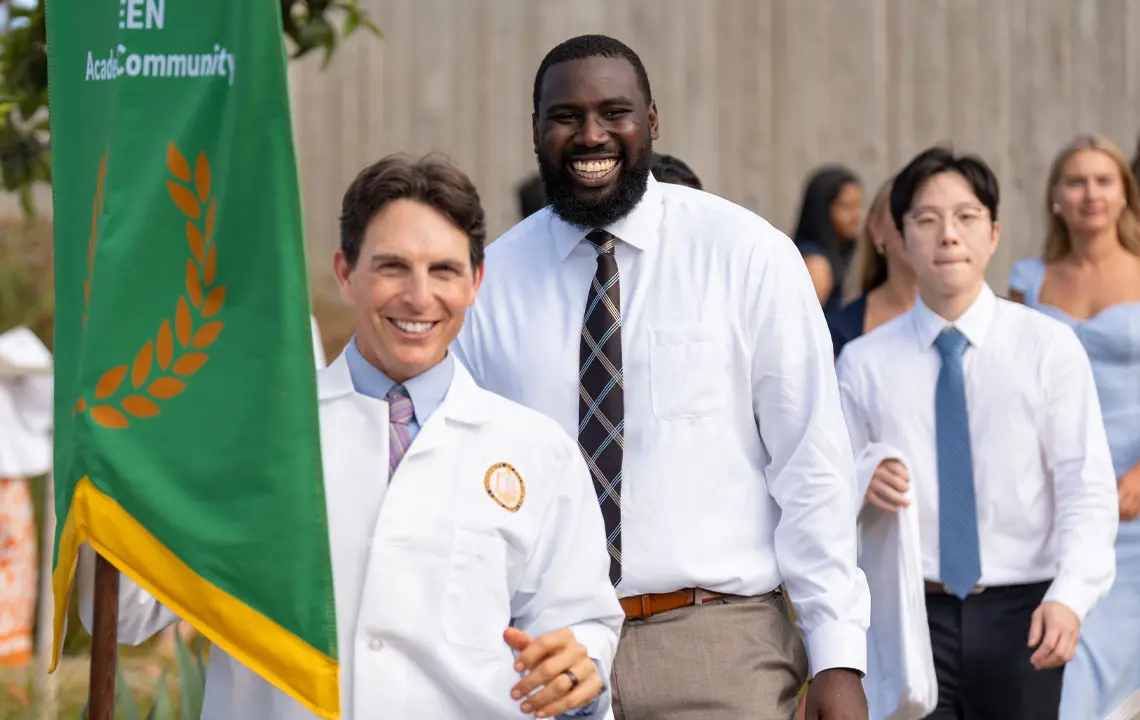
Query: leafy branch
308,27
25,133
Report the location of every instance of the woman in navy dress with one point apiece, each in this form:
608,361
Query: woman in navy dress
825,233
1090,280
881,285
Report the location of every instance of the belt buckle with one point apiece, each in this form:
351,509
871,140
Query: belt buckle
702,596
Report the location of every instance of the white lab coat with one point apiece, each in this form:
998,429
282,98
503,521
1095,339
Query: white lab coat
318,344
25,404
900,682
429,570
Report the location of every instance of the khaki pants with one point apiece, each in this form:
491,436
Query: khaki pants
731,659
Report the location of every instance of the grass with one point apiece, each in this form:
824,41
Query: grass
141,670
142,665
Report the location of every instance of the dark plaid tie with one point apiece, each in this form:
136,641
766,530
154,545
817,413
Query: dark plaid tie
601,409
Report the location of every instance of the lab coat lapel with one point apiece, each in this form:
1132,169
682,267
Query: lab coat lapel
354,439
462,405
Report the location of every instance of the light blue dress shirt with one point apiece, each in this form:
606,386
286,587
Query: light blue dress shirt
426,390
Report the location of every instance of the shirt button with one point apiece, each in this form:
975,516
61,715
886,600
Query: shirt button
374,644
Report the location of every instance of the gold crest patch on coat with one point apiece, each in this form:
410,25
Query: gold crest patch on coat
505,486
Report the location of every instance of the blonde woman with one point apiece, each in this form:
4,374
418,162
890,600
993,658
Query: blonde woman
1090,279
881,285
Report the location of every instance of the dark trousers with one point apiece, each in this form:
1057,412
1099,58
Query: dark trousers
981,656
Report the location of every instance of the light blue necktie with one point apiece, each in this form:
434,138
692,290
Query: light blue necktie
400,413
960,559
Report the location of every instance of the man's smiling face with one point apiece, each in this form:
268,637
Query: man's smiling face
411,285
593,133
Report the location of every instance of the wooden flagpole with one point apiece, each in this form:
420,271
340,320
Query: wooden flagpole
104,642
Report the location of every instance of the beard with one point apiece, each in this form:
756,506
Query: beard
583,212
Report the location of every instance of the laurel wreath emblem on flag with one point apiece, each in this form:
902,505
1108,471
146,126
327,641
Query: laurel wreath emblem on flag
193,328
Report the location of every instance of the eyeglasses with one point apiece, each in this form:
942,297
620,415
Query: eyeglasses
931,221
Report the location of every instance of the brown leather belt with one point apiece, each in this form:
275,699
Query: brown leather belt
937,588
638,607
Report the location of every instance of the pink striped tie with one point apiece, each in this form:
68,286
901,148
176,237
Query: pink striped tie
400,413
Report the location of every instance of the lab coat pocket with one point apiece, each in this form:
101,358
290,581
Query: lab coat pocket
689,371
476,605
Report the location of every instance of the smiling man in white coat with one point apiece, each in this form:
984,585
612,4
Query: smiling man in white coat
469,559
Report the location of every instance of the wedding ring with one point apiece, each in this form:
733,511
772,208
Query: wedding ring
573,678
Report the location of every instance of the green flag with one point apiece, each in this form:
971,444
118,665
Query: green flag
187,447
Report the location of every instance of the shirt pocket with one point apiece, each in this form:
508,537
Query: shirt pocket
689,371
476,603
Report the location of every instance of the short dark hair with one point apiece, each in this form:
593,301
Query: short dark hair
532,196
934,161
588,46
669,169
432,180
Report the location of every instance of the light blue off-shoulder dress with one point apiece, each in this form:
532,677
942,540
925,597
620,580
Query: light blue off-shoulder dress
1106,669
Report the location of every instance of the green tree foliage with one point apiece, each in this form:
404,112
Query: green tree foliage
25,139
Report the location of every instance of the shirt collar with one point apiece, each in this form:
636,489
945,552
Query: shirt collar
973,323
638,228
426,390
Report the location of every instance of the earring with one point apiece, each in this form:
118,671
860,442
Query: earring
880,250
1056,208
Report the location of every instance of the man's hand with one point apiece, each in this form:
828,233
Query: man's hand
1054,631
1128,489
888,485
836,694
544,661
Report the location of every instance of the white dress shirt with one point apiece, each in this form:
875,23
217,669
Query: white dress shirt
1043,478
429,568
737,473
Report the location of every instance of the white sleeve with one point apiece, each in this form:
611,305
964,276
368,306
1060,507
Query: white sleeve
566,582
140,614
1077,452
869,453
466,346
858,427
811,475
